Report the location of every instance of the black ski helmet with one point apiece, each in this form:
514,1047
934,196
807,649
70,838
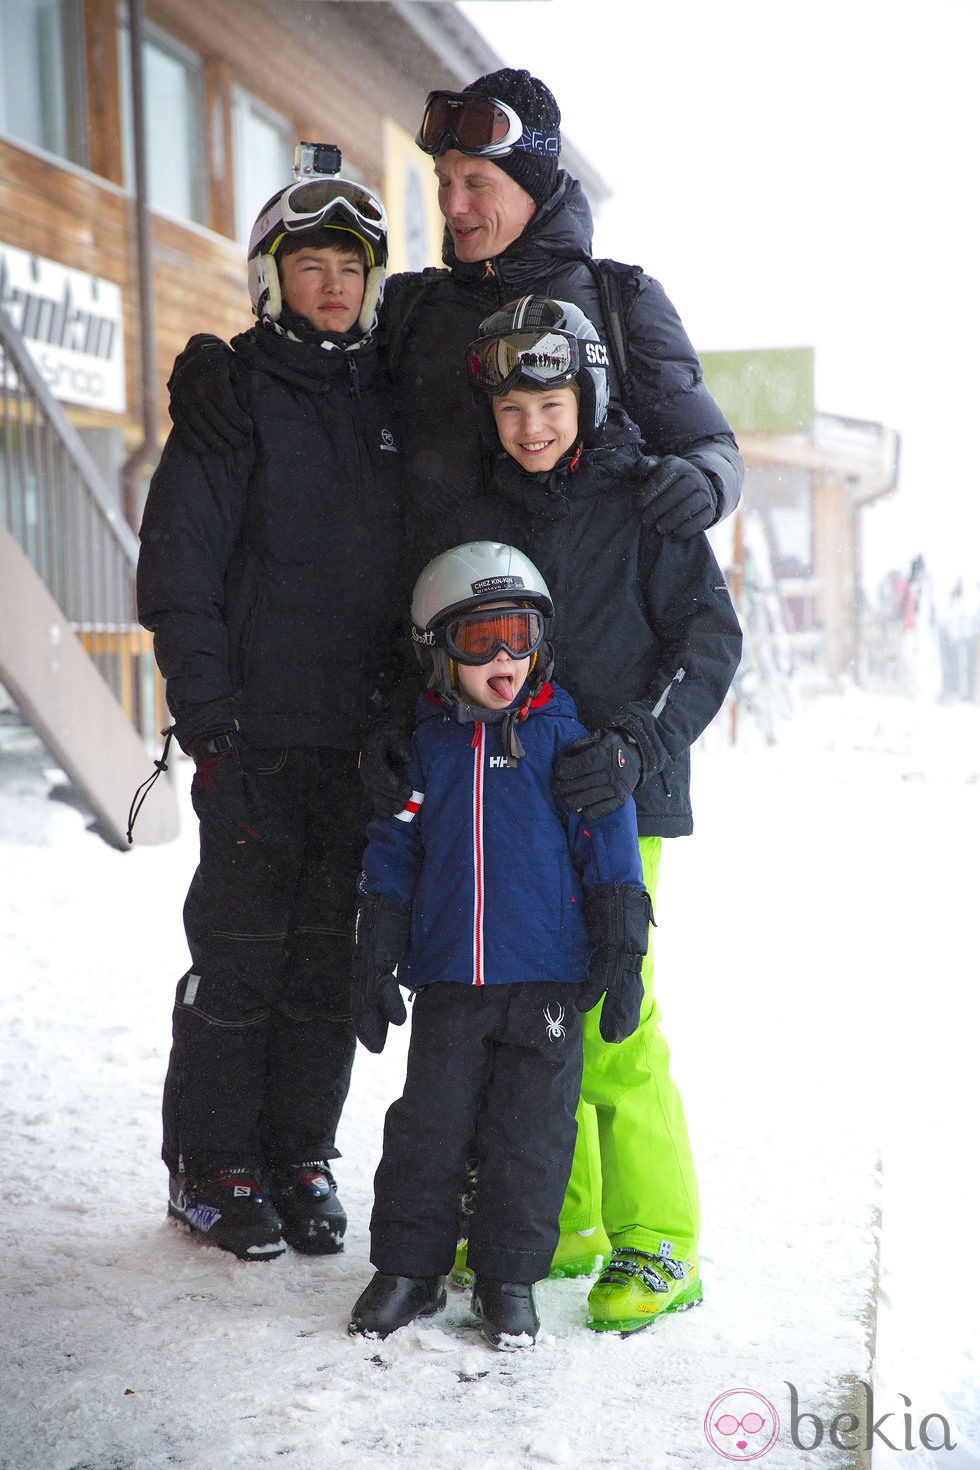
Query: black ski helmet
544,343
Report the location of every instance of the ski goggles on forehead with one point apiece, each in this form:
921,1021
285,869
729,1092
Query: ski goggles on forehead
479,126
320,203
545,358
477,637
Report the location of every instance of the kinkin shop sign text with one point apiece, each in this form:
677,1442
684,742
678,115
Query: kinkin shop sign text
72,325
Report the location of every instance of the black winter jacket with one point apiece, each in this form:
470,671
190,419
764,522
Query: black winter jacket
429,319
272,576
632,609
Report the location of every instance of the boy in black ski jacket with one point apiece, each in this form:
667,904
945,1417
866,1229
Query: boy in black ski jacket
648,642
271,577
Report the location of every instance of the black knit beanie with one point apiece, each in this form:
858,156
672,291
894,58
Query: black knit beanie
533,161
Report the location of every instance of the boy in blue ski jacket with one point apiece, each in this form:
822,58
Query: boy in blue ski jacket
506,915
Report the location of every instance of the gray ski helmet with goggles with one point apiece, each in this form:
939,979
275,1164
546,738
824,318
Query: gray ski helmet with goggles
462,581
538,342
323,202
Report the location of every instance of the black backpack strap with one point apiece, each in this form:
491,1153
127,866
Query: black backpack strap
610,276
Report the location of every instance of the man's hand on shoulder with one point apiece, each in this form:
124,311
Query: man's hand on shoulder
207,387
677,498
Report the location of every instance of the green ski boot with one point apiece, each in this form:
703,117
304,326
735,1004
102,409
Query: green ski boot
580,1252
637,1288
460,1272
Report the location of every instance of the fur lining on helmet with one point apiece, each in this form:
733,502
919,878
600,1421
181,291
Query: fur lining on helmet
263,285
374,290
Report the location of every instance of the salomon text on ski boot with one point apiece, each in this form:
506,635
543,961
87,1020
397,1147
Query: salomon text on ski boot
228,1208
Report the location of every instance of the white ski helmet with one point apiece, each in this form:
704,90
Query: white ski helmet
543,343
463,580
323,202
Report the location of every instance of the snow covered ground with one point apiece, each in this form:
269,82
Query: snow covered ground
818,966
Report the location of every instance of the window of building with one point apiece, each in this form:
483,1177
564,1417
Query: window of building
263,146
173,86
42,71
173,95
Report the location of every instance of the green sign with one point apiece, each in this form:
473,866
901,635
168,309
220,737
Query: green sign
767,390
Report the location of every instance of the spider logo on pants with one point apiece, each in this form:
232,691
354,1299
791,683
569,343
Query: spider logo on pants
556,1031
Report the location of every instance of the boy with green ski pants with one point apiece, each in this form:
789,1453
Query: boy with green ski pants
649,642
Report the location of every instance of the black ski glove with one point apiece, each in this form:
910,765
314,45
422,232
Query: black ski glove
618,918
207,394
218,789
385,752
679,498
595,774
380,941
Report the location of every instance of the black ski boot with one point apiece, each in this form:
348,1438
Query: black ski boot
228,1208
390,1302
508,1316
313,1219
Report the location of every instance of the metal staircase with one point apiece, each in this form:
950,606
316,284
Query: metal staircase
72,655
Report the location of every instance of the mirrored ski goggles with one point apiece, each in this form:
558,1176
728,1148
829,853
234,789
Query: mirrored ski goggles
545,358
477,637
322,203
479,126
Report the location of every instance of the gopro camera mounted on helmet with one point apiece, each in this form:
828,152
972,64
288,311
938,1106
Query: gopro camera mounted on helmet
316,160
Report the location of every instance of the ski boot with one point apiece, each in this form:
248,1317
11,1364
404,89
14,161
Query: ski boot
580,1252
228,1208
460,1272
637,1288
313,1219
390,1302
508,1316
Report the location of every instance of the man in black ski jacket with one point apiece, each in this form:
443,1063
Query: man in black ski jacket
516,224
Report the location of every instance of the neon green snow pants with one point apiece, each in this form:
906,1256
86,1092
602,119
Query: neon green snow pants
632,1171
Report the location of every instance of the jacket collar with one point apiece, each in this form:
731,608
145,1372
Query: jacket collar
305,364
560,230
597,471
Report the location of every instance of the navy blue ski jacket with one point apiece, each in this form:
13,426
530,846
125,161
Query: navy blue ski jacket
493,869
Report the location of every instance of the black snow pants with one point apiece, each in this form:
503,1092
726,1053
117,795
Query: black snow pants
262,1038
501,1065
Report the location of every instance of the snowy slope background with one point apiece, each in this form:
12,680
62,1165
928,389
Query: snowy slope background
817,964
